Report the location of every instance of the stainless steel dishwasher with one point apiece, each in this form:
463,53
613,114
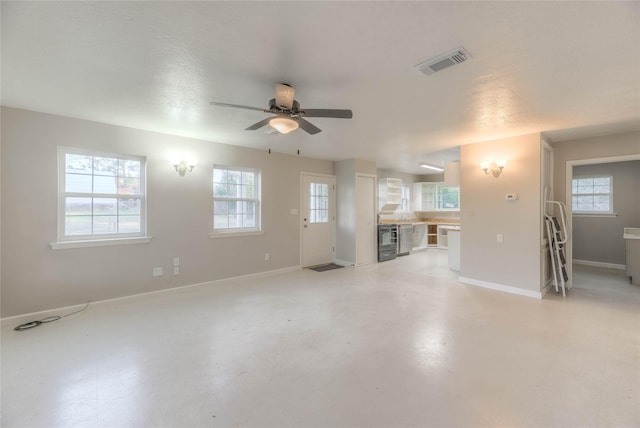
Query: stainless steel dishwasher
405,239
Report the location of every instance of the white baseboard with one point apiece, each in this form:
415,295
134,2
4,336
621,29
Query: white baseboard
501,287
344,263
41,314
600,264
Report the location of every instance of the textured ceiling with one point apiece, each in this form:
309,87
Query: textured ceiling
572,68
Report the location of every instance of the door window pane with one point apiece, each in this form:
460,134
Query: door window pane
318,203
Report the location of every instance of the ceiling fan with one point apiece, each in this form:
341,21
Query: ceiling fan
288,114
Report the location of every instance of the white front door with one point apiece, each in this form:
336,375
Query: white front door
318,219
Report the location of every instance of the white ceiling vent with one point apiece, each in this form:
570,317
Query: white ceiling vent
447,59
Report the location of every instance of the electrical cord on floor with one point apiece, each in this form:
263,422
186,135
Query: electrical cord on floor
32,324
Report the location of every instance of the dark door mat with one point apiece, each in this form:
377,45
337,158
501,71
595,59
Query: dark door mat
322,268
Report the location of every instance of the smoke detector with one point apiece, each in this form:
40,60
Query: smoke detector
445,60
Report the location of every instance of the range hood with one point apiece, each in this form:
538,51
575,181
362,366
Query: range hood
389,208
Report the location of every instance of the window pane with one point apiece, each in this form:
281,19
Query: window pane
128,224
249,220
77,183
247,191
219,189
599,181
105,166
129,206
247,178
584,190
219,175
77,206
77,225
104,184
234,177
233,191
105,224
79,164
221,221
105,206
601,189
235,221
129,168
601,203
128,186
220,208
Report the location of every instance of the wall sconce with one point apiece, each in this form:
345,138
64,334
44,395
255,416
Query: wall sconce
182,168
495,168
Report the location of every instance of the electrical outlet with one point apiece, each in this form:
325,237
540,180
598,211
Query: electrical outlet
176,261
157,271
267,257
499,238
176,270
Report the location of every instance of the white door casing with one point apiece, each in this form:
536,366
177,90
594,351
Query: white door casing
318,197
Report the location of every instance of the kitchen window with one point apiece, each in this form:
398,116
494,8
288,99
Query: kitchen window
101,197
592,195
236,200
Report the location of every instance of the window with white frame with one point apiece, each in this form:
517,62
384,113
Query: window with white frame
101,195
236,199
592,195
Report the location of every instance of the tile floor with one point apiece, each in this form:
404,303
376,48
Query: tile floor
396,344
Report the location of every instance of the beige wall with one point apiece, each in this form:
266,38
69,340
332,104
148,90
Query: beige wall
589,148
485,213
35,277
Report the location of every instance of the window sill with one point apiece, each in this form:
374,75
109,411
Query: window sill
62,245
234,233
595,214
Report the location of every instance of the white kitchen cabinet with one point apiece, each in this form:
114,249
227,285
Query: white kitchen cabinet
424,196
389,194
435,197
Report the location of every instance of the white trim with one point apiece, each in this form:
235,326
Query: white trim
63,245
263,274
222,234
600,264
500,287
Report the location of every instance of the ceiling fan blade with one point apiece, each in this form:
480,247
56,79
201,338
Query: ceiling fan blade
308,126
258,125
284,95
213,103
326,112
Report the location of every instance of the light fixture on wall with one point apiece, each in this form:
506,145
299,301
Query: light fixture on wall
182,168
495,168
283,124
435,168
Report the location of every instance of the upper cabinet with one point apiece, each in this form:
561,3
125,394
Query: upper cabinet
435,197
389,194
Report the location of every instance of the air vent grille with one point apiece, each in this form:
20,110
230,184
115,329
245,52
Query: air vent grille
445,60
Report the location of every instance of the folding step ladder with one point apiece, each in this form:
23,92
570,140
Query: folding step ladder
557,236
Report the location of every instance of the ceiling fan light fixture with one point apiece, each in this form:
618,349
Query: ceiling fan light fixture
283,124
